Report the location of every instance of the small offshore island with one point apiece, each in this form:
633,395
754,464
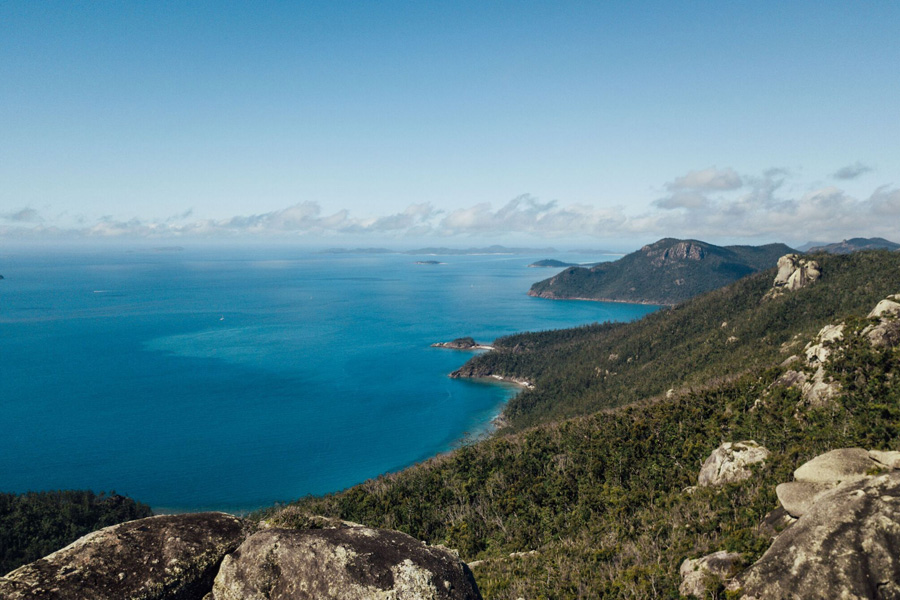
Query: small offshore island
463,343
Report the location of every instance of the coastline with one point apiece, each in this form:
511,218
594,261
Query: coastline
611,300
498,420
447,346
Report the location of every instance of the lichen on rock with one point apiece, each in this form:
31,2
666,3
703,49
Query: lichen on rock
696,574
844,546
353,563
168,557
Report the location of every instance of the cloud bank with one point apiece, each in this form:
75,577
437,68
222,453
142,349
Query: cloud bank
708,203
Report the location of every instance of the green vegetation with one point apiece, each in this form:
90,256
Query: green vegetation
720,334
597,506
35,524
667,272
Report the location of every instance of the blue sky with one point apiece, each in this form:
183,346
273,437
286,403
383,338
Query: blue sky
402,122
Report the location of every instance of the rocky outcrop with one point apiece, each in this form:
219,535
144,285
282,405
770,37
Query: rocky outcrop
698,574
889,307
794,273
817,388
170,557
353,563
837,466
817,352
463,343
844,546
884,332
680,251
731,462
815,478
797,497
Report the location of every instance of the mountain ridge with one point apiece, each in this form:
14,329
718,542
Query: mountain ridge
855,245
666,272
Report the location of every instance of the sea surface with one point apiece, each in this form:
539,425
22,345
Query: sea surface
229,379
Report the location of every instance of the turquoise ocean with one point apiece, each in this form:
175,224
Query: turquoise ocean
232,378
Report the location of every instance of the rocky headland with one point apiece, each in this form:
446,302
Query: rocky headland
463,343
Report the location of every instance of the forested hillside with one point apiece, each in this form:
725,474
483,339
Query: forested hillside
597,506
719,334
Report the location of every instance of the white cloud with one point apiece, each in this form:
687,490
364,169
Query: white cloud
691,200
886,202
709,179
526,214
707,204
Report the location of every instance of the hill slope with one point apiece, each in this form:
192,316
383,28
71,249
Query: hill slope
727,331
855,245
596,506
667,272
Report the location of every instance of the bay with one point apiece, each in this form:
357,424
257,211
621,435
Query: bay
232,378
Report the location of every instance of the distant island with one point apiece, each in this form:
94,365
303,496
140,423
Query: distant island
429,262
557,264
855,245
443,251
666,272
549,262
463,343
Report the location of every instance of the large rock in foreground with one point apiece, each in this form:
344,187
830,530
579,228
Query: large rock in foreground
844,547
354,563
813,479
169,557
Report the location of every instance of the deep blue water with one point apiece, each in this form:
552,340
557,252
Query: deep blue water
231,379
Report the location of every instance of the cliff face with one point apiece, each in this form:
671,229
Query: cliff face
666,272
